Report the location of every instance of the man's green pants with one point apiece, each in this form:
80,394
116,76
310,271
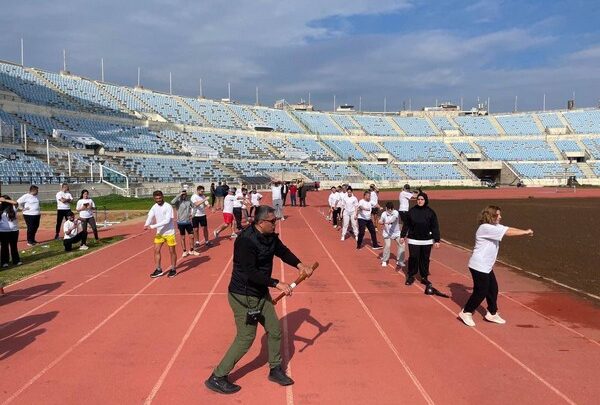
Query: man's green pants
246,333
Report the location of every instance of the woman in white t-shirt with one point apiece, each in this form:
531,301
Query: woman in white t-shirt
9,232
487,243
86,209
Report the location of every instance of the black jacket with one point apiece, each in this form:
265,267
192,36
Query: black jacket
253,255
421,224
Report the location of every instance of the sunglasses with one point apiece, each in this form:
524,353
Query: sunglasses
272,221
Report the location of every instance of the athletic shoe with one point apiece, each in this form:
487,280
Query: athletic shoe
233,235
494,318
184,254
400,265
193,252
221,385
358,246
56,237
20,264
409,281
208,243
83,247
276,374
197,244
5,265
31,244
157,273
216,235
335,226
172,273
377,247
342,238
383,264
467,318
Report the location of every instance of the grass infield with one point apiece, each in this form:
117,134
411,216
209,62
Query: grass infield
111,202
47,255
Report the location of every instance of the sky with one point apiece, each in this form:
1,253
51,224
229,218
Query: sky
366,52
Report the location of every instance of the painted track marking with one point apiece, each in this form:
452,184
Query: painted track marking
289,392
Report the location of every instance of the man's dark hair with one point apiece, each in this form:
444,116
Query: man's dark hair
261,212
367,192
69,214
32,188
389,205
157,193
200,187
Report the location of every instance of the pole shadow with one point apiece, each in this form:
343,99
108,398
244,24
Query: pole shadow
20,333
29,293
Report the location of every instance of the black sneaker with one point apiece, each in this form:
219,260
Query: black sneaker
221,385
278,375
409,281
208,243
157,273
172,273
377,247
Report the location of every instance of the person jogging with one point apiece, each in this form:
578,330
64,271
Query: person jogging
391,232
227,215
365,220
350,204
199,219
162,215
184,208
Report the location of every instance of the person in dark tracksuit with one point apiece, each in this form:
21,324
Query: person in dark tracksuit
253,254
422,230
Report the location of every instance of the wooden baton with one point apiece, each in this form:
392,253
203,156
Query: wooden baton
300,279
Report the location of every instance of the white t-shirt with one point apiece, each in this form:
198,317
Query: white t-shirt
73,232
364,209
7,225
487,244
239,199
228,203
61,205
374,199
30,204
164,219
255,198
391,225
276,193
350,204
199,209
340,200
333,199
405,197
86,213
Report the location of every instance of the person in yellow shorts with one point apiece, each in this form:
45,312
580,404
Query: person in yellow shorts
161,214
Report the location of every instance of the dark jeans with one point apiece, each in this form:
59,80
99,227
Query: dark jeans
237,214
283,197
8,241
336,216
303,201
418,262
92,222
484,286
81,236
60,215
33,223
362,224
293,199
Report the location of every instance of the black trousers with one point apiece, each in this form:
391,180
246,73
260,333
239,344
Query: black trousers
92,222
335,213
81,236
283,197
60,215
33,223
303,201
237,214
8,242
418,261
362,224
484,286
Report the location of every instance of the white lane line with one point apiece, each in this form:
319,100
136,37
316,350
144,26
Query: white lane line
289,392
74,346
385,337
189,331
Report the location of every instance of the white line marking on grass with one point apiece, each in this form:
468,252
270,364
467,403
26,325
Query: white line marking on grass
385,337
186,336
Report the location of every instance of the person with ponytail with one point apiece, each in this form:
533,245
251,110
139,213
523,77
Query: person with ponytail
487,243
9,232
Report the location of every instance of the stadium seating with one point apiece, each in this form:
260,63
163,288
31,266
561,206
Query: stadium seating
464,147
375,125
171,169
378,172
521,124
593,146
431,172
443,123
344,149
584,122
23,168
318,123
371,147
596,168
311,147
550,120
415,151
278,119
215,113
127,98
547,170
476,126
567,145
415,126
345,122
517,150
337,172
167,106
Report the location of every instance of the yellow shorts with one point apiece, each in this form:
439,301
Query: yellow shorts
170,239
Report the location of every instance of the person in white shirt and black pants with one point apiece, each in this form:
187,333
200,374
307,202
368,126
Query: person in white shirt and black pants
63,206
423,231
487,243
30,205
86,208
365,221
73,233
9,232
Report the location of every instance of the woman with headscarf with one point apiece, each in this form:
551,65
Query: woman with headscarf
422,231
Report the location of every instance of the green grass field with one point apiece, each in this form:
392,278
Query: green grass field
48,255
112,202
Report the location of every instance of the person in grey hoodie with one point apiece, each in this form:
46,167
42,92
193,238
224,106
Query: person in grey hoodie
184,207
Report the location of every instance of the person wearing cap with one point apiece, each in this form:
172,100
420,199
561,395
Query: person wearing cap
73,233
422,230
184,208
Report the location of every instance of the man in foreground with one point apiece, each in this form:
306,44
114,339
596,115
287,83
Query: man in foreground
250,300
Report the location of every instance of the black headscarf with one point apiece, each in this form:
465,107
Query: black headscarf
424,195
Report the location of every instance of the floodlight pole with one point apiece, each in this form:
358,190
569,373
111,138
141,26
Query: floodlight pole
102,69
544,103
64,60
257,95
229,91
22,53
139,75
334,102
170,83
516,102
201,96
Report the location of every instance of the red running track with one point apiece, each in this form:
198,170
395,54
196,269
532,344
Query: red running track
99,330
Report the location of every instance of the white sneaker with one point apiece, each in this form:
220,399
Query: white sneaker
467,318
184,254
216,235
5,265
342,238
383,264
335,226
494,318
83,247
195,253
400,264
233,235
